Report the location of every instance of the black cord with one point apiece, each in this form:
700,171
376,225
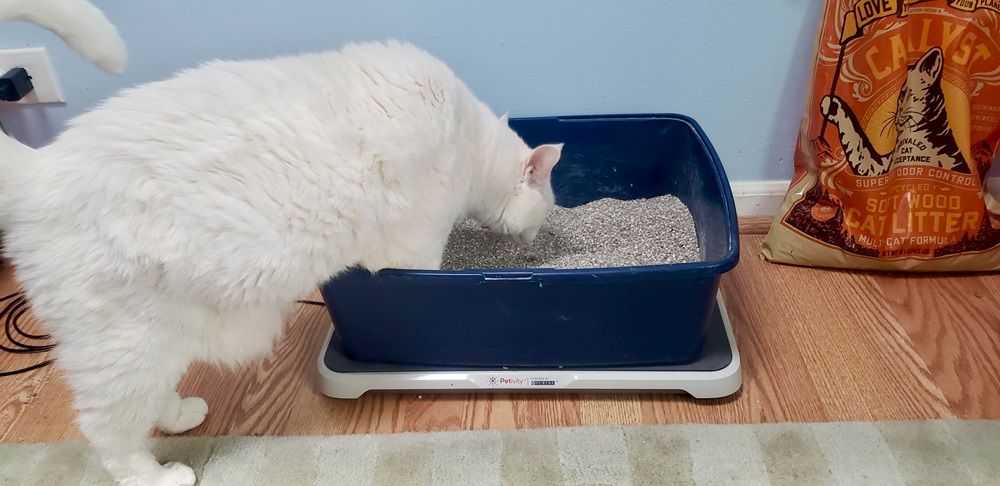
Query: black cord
11,311
16,307
25,370
19,308
312,302
40,337
10,314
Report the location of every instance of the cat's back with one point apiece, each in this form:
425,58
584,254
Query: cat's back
208,105
245,165
288,128
255,122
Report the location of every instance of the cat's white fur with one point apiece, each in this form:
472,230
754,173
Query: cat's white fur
178,221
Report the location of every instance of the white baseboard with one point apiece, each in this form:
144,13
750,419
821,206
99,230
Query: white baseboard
758,198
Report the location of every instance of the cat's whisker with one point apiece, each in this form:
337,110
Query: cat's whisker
890,120
888,124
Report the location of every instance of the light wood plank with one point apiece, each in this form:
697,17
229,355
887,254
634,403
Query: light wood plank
954,327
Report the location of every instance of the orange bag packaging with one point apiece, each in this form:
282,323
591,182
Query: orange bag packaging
900,129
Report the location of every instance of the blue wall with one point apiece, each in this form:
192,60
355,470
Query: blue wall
739,67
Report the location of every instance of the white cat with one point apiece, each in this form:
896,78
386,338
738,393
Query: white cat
179,220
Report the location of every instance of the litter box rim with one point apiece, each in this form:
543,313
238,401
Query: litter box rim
705,268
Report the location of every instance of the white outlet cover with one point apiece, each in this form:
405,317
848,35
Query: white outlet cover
43,77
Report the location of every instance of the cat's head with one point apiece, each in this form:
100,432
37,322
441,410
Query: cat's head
532,199
524,198
920,97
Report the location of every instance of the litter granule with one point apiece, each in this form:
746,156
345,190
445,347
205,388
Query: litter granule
603,234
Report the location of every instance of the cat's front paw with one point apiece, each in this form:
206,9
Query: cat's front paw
831,107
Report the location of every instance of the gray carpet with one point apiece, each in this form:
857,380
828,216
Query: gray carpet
889,453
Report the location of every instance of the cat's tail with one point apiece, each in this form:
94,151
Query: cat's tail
83,27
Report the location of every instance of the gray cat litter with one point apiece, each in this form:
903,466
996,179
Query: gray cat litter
603,234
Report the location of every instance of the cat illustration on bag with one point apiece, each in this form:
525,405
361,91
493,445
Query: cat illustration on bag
924,137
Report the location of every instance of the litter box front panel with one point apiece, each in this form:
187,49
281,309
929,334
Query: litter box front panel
545,317
535,321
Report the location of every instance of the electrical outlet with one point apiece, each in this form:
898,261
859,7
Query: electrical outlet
36,61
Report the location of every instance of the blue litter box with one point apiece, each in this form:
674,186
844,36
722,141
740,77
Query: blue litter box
544,318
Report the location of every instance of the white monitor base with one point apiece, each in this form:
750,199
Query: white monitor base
699,384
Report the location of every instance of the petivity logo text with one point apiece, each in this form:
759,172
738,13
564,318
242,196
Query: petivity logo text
520,382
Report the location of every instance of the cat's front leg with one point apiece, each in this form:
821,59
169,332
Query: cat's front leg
417,249
839,113
429,255
861,155
430,259
426,259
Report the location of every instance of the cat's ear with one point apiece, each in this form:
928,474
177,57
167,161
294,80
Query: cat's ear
504,118
931,64
538,168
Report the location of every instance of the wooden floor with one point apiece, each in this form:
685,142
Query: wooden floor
817,345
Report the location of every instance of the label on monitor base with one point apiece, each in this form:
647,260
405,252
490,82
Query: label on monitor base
515,381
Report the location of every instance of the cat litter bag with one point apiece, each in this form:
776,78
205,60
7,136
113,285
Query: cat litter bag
900,129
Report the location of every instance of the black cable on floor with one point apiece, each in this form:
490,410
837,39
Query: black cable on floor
15,308
312,302
40,337
27,369
12,314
